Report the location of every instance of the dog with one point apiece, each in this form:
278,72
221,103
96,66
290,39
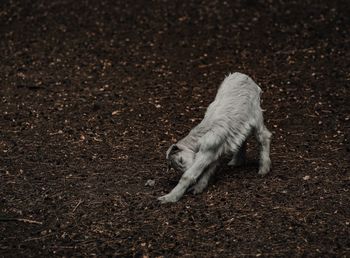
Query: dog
229,120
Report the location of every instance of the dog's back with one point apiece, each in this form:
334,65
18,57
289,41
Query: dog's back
235,96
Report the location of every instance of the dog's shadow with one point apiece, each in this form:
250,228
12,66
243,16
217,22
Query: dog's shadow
249,169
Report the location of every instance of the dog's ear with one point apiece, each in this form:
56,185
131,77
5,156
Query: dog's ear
173,149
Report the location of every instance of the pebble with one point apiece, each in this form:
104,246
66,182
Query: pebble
306,177
150,183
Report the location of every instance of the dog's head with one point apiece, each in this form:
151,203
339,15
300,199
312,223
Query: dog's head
179,157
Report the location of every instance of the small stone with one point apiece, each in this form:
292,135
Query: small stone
115,112
306,177
150,183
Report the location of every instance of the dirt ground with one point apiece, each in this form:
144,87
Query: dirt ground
94,92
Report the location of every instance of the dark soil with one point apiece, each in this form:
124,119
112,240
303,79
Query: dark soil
94,92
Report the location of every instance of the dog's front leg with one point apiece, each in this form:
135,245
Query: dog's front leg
203,181
202,161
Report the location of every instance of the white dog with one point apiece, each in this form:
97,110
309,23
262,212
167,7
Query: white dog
229,120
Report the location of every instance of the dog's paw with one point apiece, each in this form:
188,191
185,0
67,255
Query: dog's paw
168,198
197,188
263,171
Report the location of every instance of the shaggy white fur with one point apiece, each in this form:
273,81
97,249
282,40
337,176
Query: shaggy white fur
229,120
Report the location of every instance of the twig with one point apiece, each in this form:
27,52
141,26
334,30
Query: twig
38,238
76,206
21,220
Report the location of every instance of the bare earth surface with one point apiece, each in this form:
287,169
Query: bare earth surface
93,93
